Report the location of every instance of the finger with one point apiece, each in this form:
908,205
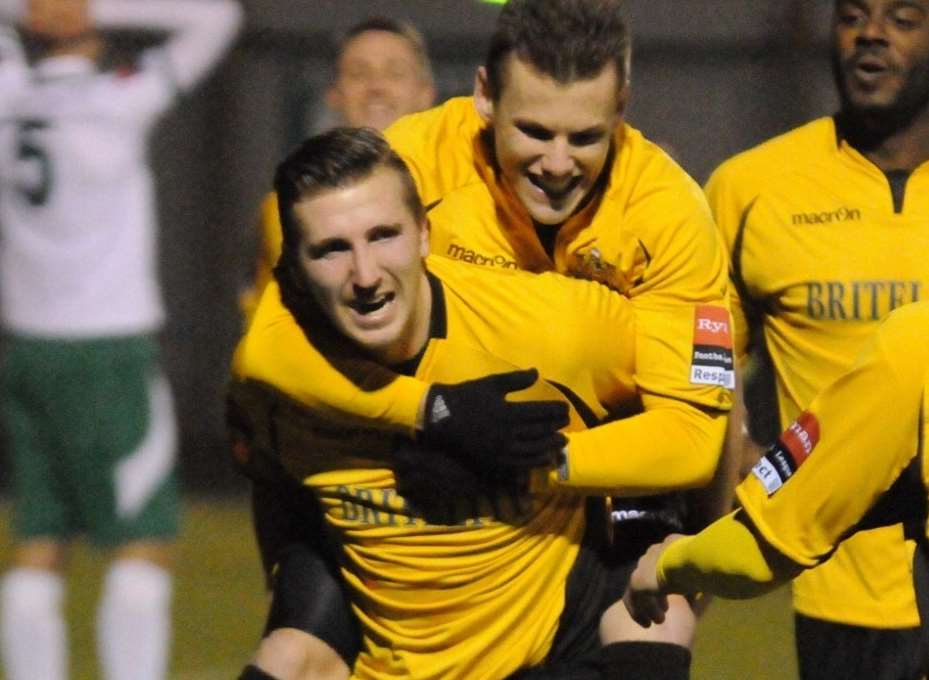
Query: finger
552,412
514,380
546,447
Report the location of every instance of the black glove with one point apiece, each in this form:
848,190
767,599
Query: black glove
443,490
474,422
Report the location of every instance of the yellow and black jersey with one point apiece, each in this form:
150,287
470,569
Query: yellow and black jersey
478,599
647,235
823,246
576,333
856,454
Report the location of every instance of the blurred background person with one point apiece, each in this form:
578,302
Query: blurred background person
382,72
87,409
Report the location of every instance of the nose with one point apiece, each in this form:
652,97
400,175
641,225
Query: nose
873,30
557,160
365,270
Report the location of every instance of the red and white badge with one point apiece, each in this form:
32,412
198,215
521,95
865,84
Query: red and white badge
712,356
781,461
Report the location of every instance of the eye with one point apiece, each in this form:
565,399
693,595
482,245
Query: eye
849,16
907,18
585,138
534,131
384,232
327,249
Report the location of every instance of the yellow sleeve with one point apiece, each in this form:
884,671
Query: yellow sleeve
683,355
859,434
672,445
269,251
349,388
724,559
730,204
683,326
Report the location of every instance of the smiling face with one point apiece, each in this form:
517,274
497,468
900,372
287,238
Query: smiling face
380,78
361,251
551,139
881,56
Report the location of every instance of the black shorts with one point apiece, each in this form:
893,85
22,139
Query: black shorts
827,650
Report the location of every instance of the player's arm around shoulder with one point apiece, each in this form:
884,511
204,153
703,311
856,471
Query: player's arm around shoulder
276,351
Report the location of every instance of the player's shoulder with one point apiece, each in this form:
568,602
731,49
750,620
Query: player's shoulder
456,119
560,295
780,156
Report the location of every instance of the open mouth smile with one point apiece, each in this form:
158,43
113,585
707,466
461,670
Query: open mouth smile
370,306
555,193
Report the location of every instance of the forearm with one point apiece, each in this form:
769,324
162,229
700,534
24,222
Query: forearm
725,559
673,447
199,30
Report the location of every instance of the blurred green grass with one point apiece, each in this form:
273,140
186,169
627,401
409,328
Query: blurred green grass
219,607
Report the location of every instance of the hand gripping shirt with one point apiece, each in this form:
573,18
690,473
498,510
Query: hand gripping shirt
823,246
648,235
857,450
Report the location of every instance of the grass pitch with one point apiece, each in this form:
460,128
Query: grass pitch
219,608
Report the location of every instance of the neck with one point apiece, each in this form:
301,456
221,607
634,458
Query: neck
417,333
903,148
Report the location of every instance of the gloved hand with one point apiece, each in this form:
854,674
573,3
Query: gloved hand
474,422
443,490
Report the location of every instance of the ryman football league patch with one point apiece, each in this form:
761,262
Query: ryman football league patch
712,358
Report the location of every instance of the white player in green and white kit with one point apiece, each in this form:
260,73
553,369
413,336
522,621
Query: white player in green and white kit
88,411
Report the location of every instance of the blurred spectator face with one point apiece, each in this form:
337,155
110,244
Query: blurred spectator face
379,79
58,19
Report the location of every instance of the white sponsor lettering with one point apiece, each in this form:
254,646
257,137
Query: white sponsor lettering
768,475
803,436
712,326
712,375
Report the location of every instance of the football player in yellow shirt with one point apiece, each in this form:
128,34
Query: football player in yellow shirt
827,227
854,458
539,171
352,269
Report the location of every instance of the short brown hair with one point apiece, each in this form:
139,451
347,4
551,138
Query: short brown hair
568,40
336,158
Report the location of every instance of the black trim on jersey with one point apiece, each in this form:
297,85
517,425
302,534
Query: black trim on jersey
860,139
905,501
583,410
897,180
759,387
438,325
432,205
